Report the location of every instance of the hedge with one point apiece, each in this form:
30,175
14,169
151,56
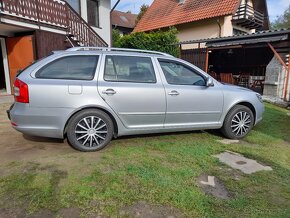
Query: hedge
163,41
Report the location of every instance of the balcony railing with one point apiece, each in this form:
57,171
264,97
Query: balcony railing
54,14
246,16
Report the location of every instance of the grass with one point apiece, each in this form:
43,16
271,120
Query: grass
162,170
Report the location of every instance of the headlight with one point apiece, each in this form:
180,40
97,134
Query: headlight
259,97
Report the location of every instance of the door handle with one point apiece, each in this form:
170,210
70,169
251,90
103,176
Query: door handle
109,92
173,93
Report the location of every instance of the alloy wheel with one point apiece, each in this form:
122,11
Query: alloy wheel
91,131
241,123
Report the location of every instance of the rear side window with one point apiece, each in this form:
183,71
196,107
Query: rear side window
129,69
71,67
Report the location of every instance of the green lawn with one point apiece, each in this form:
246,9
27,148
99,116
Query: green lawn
161,170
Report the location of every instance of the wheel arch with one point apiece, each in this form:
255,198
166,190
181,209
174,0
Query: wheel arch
97,108
246,104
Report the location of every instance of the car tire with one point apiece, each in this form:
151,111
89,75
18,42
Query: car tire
238,122
90,130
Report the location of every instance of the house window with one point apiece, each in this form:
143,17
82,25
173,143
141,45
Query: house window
93,12
75,4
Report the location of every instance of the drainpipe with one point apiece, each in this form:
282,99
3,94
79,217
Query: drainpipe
113,8
116,4
220,27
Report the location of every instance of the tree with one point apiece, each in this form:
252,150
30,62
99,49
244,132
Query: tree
143,10
163,41
282,21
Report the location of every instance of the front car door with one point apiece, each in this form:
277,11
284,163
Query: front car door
130,86
190,103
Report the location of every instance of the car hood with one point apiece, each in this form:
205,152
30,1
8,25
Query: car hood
235,88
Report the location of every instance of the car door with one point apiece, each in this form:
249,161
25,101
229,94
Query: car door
130,86
189,101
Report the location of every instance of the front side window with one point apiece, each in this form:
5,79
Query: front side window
129,69
179,74
93,12
72,67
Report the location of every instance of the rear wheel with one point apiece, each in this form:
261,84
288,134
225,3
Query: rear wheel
90,130
238,122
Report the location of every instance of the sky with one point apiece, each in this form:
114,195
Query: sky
275,7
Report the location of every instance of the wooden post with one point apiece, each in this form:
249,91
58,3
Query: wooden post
287,81
206,60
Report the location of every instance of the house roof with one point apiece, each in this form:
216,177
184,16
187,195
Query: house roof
124,19
165,13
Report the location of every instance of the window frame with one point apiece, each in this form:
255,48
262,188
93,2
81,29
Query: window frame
96,25
98,59
185,66
116,81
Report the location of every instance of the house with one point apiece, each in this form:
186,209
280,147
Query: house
124,22
195,19
32,29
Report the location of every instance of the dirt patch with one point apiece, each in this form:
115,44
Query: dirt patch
69,212
144,210
12,213
42,214
17,149
213,186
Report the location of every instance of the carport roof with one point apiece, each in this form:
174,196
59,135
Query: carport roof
252,38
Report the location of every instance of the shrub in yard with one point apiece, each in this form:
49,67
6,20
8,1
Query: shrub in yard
163,41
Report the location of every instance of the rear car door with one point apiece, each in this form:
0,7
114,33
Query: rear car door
189,101
130,86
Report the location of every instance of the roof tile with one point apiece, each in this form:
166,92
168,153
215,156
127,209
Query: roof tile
165,13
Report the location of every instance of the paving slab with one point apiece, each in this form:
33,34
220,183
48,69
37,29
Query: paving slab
228,141
211,185
238,161
6,99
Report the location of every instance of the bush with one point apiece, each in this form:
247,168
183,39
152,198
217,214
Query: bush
163,41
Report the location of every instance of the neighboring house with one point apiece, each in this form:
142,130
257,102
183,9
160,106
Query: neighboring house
124,22
195,19
31,29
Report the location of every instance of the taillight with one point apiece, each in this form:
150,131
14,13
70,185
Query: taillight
21,91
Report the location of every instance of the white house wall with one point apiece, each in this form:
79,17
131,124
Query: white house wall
104,30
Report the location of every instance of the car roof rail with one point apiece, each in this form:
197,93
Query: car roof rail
116,49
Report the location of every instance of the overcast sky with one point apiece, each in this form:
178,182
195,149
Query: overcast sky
275,7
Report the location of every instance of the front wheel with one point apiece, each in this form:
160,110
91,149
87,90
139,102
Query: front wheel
238,122
90,130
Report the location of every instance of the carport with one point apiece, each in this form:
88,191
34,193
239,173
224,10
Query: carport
258,61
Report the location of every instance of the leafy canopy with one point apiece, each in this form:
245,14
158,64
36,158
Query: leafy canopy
282,21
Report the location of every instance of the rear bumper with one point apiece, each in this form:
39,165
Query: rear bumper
44,122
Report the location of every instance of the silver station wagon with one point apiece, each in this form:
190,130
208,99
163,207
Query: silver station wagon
91,95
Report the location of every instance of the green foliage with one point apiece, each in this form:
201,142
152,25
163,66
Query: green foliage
143,10
282,21
157,41
116,37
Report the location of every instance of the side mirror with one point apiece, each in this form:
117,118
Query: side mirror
209,82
